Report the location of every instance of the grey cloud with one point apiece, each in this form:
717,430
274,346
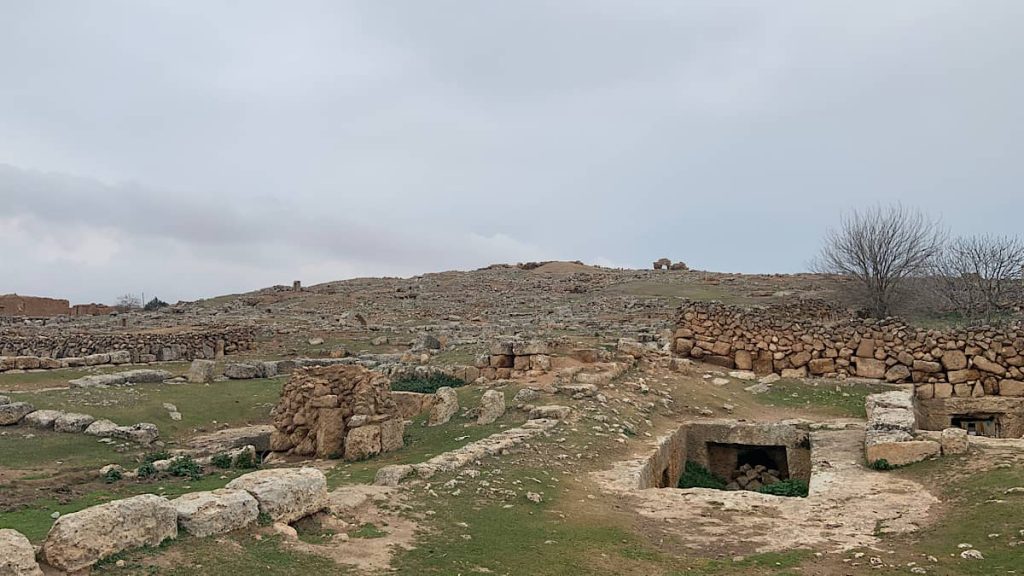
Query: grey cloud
400,137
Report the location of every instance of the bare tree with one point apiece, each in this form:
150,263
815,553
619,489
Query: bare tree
881,248
981,276
128,302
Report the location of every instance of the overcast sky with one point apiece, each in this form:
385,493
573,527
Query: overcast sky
193,148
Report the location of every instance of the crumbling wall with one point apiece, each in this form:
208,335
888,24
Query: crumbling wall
15,305
334,411
797,340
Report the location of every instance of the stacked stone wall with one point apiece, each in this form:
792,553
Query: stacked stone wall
972,362
142,346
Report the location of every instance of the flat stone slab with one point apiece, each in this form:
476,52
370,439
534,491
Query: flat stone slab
205,513
285,494
127,378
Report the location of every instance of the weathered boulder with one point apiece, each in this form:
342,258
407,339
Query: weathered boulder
103,428
72,422
902,453
285,494
142,433
411,404
550,412
120,357
492,406
241,371
362,442
525,396
954,441
201,371
5,399
127,378
205,513
228,439
393,474
17,556
42,419
446,405
80,539
13,412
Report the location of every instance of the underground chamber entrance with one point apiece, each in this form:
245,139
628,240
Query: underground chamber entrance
729,455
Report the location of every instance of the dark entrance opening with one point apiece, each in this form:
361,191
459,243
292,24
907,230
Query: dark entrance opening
977,424
746,466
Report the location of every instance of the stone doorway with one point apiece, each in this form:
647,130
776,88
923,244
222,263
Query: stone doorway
977,424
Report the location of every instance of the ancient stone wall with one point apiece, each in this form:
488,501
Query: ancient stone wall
972,362
91,309
142,346
15,305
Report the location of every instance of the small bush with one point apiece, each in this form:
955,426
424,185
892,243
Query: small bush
146,470
791,487
185,466
264,519
426,385
246,461
154,456
881,464
697,476
112,475
222,461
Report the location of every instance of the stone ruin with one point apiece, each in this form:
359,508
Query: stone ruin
666,264
337,411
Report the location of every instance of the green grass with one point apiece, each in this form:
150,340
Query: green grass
767,563
368,530
976,507
34,521
833,397
697,476
29,381
234,402
219,555
44,449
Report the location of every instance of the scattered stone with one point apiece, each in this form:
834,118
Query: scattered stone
446,405
492,406
13,412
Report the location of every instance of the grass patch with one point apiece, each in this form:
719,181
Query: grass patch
697,476
34,521
977,506
767,563
31,449
792,487
832,397
217,555
30,381
368,530
235,403
421,444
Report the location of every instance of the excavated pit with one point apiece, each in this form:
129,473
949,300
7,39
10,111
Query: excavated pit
747,456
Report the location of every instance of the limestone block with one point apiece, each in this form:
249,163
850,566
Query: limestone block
954,441
17,556
903,453
205,513
285,494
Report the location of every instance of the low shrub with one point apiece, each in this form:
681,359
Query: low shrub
881,464
222,461
112,475
154,456
426,384
697,476
246,461
791,487
185,466
146,470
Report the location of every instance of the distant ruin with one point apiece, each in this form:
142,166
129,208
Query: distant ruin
14,305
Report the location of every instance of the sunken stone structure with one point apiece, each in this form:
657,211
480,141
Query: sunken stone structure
335,411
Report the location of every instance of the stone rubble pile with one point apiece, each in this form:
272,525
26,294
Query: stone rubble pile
752,478
337,411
